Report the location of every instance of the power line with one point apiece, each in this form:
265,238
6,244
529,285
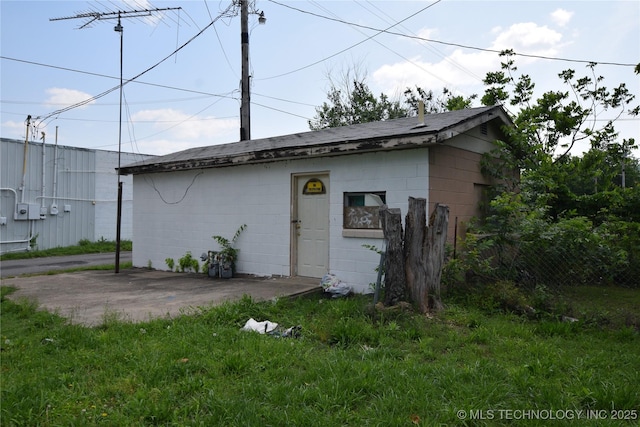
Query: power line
359,3
427,46
281,111
582,61
115,78
228,95
348,48
108,91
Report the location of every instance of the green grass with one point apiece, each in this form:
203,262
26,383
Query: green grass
352,365
83,247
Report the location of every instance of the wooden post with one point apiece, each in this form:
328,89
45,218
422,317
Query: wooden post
394,279
424,250
413,264
436,240
415,253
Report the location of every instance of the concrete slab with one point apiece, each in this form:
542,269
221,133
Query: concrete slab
137,295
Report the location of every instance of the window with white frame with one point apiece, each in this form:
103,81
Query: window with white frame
361,210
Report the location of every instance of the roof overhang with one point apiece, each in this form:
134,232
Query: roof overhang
280,154
355,139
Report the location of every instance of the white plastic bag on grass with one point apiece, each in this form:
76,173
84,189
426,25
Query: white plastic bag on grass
260,327
336,287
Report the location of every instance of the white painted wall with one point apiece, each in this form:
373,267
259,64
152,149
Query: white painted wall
178,212
106,207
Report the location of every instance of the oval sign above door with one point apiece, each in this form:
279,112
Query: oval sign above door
314,186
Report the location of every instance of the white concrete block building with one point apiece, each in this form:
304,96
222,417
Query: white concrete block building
309,200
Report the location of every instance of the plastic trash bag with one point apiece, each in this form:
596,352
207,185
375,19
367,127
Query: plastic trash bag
260,327
334,286
271,328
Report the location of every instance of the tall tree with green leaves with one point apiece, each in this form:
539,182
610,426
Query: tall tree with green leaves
548,127
355,104
351,101
574,218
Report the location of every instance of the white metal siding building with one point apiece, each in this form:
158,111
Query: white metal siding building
68,193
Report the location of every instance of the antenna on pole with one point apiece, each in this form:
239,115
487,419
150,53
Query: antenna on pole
101,16
92,17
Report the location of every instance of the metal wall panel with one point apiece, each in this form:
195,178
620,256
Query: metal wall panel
81,183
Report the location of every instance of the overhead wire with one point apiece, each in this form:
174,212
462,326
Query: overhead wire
460,45
324,17
176,124
388,48
93,98
115,78
426,45
348,48
279,110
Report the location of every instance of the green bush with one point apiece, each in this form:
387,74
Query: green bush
531,248
188,263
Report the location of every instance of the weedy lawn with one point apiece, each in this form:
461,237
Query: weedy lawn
352,365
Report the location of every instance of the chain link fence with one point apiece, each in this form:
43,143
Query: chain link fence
554,260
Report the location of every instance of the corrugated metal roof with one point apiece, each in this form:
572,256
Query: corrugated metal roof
331,141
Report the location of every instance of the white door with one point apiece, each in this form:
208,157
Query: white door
311,225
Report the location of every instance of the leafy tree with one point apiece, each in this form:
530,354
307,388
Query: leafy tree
355,103
447,101
572,220
351,101
548,127
557,120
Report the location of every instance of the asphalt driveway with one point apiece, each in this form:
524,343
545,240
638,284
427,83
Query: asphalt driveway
139,294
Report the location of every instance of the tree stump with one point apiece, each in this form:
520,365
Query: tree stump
413,264
436,240
394,278
415,253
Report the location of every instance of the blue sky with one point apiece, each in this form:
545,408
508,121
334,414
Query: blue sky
192,99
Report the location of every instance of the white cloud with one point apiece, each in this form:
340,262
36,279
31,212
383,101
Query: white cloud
60,97
459,70
463,69
529,38
561,17
428,33
13,129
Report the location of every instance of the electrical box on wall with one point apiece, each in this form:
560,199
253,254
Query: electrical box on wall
27,211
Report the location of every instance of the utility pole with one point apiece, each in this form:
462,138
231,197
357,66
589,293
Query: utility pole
101,16
245,113
245,106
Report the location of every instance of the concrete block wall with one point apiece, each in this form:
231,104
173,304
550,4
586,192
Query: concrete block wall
106,206
401,174
179,211
455,179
